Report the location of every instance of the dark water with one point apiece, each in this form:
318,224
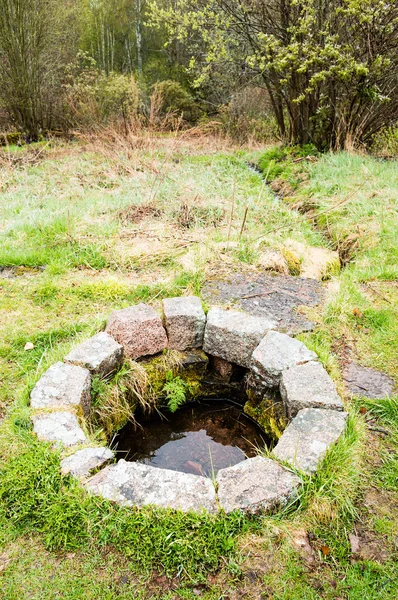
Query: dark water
200,438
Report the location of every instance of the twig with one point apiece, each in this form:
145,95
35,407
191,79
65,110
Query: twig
232,211
378,293
244,222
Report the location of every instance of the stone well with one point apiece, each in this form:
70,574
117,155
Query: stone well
284,386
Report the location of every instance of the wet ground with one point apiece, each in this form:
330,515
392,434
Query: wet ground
200,438
276,297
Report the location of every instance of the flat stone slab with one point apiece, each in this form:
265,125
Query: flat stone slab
364,381
185,322
136,484
275,297
63,386
307,438
138,329
233,335
101,355
255,485
62,428
83,461
308,386
276,353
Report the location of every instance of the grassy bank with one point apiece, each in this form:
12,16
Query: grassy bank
88,227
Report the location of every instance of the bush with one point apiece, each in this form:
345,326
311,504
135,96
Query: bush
94,98
386,143
173,98
248,117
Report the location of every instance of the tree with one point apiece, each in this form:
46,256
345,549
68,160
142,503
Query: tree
330,66
31,57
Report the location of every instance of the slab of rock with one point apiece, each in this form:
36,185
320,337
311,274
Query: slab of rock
185,322
62,428
274,297
101,355
255,485
306,440
364,381
276,353
233,335
136,484
138,329
83,461
63,386
308,386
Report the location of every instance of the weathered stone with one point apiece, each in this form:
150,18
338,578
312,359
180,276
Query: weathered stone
277,352
273,297
265,406
311,433
139,329
100,354
255,485
63,386
308,386
136,484
364,381
62,428
83,461
233,335
222,367
185,322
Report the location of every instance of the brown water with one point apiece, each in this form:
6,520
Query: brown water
200,438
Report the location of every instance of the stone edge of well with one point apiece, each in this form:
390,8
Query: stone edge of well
73,450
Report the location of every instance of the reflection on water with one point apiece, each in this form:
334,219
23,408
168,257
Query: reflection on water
200,438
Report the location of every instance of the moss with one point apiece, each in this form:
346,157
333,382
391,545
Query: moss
332,268
268,414
189,366
292,260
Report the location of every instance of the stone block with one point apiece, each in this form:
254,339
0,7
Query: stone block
61,428
234,335
222,367
308,386
255,485
138,329
136,484
63,386
185,322
307,438
83,461
101,355
277,352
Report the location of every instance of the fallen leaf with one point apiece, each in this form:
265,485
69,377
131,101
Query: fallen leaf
325,550
29,346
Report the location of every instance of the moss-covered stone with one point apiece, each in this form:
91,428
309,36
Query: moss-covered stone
265,407
292,260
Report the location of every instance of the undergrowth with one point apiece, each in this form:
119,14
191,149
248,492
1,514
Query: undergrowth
35,498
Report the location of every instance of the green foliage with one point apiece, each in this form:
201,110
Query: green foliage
34,497
93,97
174,98
175,389
306,53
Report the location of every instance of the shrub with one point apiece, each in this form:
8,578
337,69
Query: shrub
94,98
175,99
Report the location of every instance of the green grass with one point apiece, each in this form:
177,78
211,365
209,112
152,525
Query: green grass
72,258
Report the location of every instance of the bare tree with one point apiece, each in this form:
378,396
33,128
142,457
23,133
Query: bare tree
29,62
